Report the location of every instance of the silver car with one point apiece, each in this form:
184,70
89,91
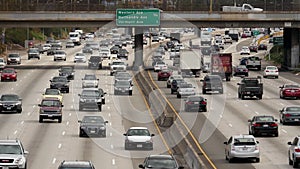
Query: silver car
243,147
185,89
294,152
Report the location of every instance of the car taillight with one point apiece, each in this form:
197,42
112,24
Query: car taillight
245,70
267,71
297,150
256,125
203,102
273,125
287,115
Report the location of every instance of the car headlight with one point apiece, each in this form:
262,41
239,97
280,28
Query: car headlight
41,111
102,128
82,100
149,141
20,161
18,103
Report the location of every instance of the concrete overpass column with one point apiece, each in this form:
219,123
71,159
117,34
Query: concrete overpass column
138,48
291,47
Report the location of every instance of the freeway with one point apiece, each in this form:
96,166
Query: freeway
49,143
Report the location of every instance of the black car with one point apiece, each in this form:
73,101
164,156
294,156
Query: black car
170,44
175,85
123,53
90,98
241,70
243,60
253,48
67,71
114,50
76,165
95,62
263,124
195,103
92,126
212,83
160,162
61,83
10,103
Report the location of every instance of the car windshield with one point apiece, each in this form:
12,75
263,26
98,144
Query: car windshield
79,54
52,92
77,167
186,85
8,71
253,58
241,67
50,103
213,79
123,75
138,132
90,77
123,83
244,141
296,109
92,119
66,69
60,52
265,119
272,68
161,163
90,93
96,58
251,82
195,99
59,79
118,63
10,149
13,55
9,98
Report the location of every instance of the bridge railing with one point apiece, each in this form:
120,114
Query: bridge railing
166,5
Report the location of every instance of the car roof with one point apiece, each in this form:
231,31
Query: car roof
51,98
132,128
11,142
165,156
90,89
76,163
243,136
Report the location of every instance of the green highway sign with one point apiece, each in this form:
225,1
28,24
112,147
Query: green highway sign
138,17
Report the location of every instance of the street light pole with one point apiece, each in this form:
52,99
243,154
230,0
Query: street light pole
210,6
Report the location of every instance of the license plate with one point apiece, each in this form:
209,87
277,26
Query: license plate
265,125
195,102
292,91
7,78
245,148
50,115
8,108
296,119
93,131
139,145
123,90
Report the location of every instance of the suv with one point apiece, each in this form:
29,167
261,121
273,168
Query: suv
253,62
212,83
61,83
60,55
227,39
90,98
76,164
242,146
50,108
294,152
160,161
13,58
250,86
33,53
10,103
138,138
12,154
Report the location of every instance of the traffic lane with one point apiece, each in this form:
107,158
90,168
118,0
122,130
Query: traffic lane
203,127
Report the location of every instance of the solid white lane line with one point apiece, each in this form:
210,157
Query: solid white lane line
110,134
230,125
110,123
113,161
28,113
283,130
59,146
67,123
63,133
109,113
70,114
256,113
22,122
112,146
15,132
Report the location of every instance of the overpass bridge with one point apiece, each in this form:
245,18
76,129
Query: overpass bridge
289,20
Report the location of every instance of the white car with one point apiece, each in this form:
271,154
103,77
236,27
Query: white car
2,63
104,52
138,138
79,57
160,65
60,55
185,89
242,146
90,80
70,44
117,65
46,46
245,50
271,71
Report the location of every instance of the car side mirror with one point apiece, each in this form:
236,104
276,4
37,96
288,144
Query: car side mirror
26,152
50,80
79,121
201,80
39,105
238,83
62,105
104,93
68,80
20,99
225,142
105,121
289,143
249,120
152,135
141,166
97,79
276,120
124,134
79,94
257,142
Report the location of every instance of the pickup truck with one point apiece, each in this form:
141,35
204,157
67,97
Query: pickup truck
250,86
50,108
251,62
243,8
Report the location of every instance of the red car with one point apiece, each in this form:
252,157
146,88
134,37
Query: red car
9,74
262,46
253,48
289,90
164,74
